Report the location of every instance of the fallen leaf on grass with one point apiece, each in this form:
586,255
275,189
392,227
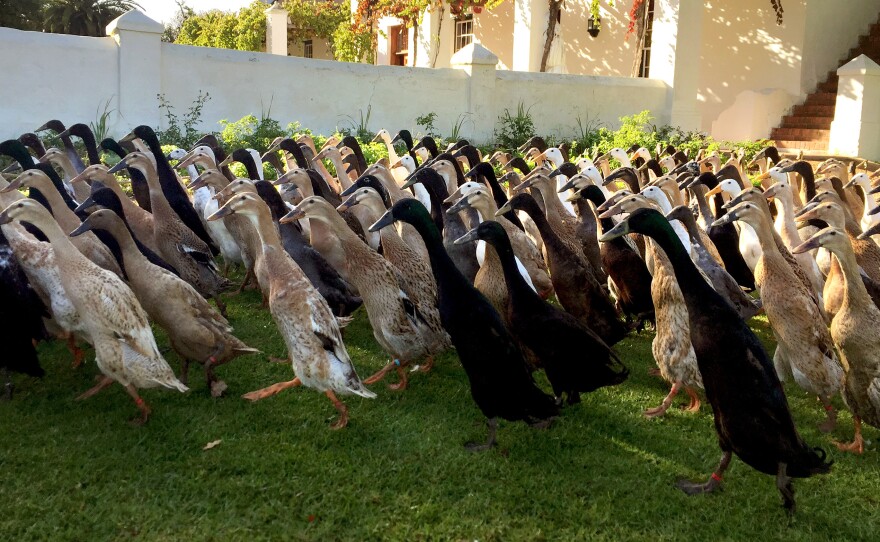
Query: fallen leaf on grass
212,444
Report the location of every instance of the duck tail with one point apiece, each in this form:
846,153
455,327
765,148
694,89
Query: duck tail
809,462
362,391
176,385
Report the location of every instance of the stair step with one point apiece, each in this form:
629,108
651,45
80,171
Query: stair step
805,145
795,121
813,110
821,98
827,86
801,134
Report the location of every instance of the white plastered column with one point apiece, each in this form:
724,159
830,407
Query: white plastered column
529,34
675,57
140,67
855,130
276,30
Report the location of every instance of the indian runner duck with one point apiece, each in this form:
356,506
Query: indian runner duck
125,349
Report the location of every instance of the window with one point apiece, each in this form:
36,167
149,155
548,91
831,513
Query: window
307,49
398,37
464,31
645,64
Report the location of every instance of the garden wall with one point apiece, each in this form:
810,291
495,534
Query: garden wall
49,76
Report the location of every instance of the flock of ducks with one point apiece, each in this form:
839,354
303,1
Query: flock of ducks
449,249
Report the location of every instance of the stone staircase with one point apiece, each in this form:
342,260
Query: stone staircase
808,125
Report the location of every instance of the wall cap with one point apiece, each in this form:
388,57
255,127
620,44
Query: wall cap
136,21
474,54
860,65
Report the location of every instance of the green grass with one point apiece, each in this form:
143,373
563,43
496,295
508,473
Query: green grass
77,471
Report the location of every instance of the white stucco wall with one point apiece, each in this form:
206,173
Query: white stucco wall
317,93
68,77
49,76
557,101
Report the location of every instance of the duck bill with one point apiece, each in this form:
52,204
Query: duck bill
506,208
348,204
411,180
874,190
199,181
350,190
458,206
808,245
226,161
716,190
187,160
397,163
469,237
726,219
295,214
128,137
122,164
86,205
376,138
221,213
807,208
285,179
870,232
521,186
621,229
454,197
14,185
572,183
4,216
81,229
12,168
384,221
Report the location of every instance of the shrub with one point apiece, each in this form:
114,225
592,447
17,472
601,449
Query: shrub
181,131
514,129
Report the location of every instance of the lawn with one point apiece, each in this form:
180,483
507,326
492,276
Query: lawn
77,471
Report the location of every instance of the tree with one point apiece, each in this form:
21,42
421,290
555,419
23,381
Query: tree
22,14
83,17
245,30
172,29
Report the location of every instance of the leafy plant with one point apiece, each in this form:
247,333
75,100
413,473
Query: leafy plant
514,129
181,131
100,126
427,122
249,132
360,128
457,127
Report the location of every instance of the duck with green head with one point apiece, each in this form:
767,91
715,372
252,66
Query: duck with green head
751,412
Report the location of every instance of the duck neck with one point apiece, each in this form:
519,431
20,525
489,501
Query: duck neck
262,221
516,284
62,213
686,272
157,196
131,254
855,293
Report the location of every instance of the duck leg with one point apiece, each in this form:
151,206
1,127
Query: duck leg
714,482
695,403
831,416
142,406
382,372
216,385
102,383
221,306
492,423
78,355
783,484
272,390
428,365
667,402
857,446
247,279
340,406
402,383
